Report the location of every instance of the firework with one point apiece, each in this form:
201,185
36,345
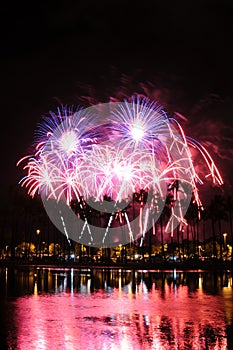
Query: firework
115,151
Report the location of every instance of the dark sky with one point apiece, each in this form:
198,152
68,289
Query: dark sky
179,52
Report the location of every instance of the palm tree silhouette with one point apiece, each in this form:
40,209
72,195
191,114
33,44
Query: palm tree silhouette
229,213
216,213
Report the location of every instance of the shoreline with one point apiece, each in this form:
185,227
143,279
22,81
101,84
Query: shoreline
163,266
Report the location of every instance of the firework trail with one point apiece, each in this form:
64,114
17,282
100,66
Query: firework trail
114,151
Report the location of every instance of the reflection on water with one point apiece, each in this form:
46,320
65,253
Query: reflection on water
45,308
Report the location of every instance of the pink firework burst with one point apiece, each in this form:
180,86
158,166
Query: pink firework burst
116,150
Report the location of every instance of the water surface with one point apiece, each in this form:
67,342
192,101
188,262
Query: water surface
49,308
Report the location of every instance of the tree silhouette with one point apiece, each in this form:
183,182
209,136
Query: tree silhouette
229,213
216,213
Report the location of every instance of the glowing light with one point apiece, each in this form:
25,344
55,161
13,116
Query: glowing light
122,171
137,148
68,142
137,131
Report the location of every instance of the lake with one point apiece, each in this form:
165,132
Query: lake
105,309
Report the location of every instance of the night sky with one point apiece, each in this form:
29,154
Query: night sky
56,52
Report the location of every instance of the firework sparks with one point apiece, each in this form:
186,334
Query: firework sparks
89,155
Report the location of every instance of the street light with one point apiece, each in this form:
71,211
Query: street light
43,248
225,240
37,245
89,249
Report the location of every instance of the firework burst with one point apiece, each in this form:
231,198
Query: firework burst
116,150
